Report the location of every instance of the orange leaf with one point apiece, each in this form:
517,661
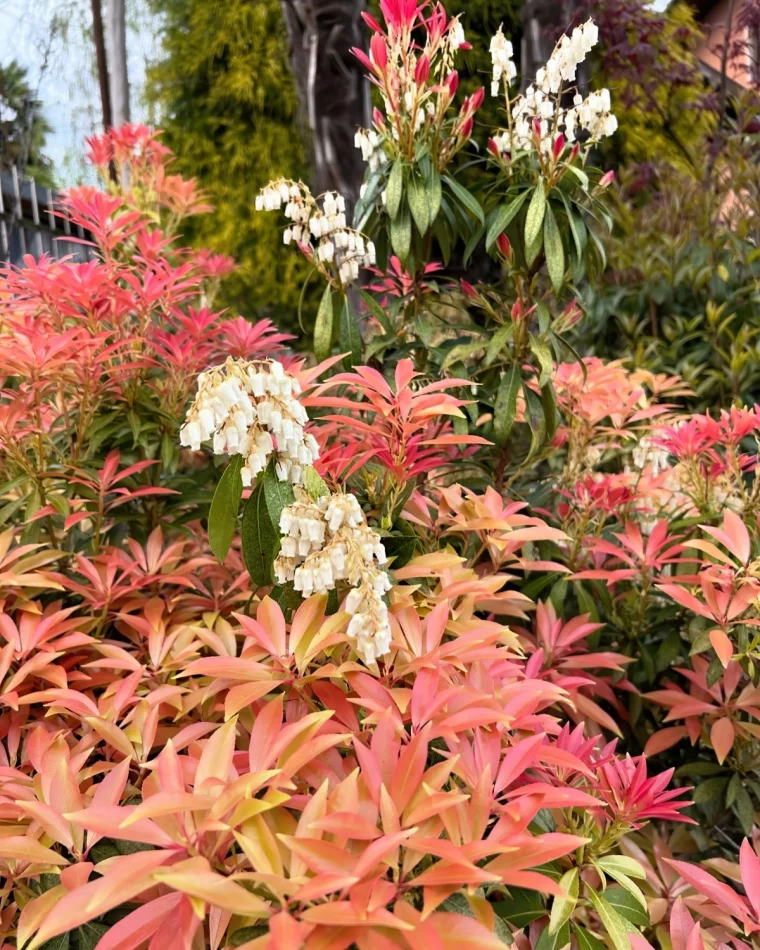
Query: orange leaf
722,646
722,737
21,848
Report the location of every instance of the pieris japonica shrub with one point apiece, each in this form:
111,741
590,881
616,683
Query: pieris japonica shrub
408,699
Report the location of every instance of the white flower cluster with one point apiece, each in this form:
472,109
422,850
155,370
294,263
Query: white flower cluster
568,54
593,114
503,64
648,455
541,101
327,541
252,409
371,144
324,231
455,34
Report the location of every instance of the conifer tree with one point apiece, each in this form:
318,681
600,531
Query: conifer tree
229,110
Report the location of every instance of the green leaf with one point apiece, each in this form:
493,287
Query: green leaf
60,503
376,310
502,216
613,923
261,541
710,790
521,908
544,821
223,515
57,943
350,338
535,217
418,202
733,787
540,349
443,236
89,935
472,243
576,224
460,352
248,933
287,597
401,233
714,671
534,416
599,249
579,174
533,250
563,907
627,907
400,549
622,864
458,904
314,484
394,190
555,252
496,343
549,405
699,768
277,495
323,327
576,355
433,192
506,404
744,810
614,867
465,198
588,941
554,941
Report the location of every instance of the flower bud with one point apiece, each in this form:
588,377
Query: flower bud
559,145
574,151
468,289
493,148
477,100
452,81
379,52
466,129
371,22
422,71
504,245
570,315
378,118
606,179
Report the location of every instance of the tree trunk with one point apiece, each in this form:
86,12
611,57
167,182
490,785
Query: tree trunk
102,63
543,22
117,35
332,89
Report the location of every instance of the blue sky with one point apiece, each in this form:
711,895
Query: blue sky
50,38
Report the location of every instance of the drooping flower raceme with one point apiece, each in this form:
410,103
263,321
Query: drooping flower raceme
504,68
322,233
327,541
252,409
538,114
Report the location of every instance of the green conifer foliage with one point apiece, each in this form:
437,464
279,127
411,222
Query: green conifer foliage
229,110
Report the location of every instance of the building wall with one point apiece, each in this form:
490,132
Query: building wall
742,68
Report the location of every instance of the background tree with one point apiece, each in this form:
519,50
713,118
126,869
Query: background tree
334,95
119,75
23,127
229,110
